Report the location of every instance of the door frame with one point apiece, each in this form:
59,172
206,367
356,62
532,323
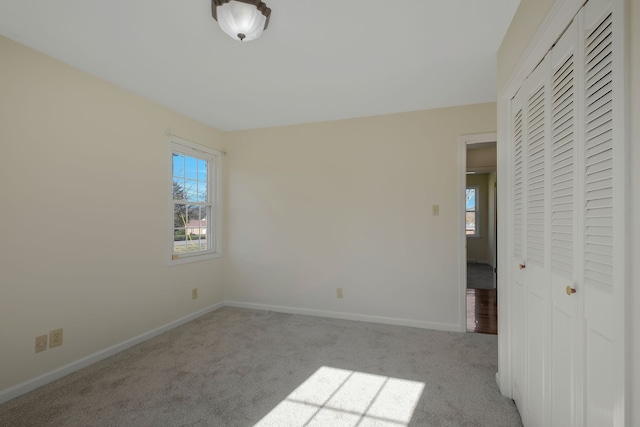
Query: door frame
464,140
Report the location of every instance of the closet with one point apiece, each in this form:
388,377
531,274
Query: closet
567,165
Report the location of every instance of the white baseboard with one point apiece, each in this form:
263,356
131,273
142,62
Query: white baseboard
479,261
46,378
449,327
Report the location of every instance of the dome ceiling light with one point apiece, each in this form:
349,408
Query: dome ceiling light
242,20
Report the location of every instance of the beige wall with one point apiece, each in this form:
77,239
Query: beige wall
526,22
77,153
484,158
311,208
348,204
523,27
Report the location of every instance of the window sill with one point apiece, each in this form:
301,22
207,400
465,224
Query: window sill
186,259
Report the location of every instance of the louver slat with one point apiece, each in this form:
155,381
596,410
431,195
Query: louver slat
517,184
562,167
598,168
536,177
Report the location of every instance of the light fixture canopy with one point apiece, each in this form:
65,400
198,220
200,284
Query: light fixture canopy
241,19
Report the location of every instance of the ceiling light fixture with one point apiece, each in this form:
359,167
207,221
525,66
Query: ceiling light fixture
241,19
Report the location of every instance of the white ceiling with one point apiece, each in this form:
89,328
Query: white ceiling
318,60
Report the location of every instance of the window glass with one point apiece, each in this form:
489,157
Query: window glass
194,222
471,214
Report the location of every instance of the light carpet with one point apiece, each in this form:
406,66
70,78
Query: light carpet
238,367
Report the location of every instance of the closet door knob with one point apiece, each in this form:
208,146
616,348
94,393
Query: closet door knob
521,266
570,290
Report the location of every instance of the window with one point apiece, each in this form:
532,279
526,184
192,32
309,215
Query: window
195,207
471,215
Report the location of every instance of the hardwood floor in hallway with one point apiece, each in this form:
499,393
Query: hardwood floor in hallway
482,311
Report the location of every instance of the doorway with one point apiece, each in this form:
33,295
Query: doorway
479,161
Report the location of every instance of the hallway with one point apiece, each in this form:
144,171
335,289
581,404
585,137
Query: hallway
482,311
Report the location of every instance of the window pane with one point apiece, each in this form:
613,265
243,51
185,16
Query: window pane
180,215
192,245
471,199
178,240
202,191
202,170
194,212
191,167
178,189
191,190
471,223
178,165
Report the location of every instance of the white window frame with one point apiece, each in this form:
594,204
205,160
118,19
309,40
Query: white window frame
476,210
214,223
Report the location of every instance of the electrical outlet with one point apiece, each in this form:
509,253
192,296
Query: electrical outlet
339,293
194,293
41,343
55,337
435,209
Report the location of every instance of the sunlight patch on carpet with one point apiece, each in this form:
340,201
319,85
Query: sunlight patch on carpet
339,397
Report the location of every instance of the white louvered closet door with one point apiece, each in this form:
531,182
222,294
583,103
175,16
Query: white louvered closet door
568,216
565,361
518,212
602,217
536,283
530,290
